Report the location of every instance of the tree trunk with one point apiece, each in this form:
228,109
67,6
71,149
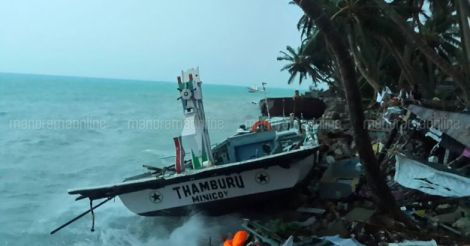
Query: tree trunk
464,13
363,70
463,7
375,178
414,39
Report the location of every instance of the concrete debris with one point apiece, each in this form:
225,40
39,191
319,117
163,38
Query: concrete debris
463,224
311,210
340,179
338,241
359,214
415,243
308,222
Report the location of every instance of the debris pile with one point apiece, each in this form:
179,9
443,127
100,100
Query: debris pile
425,156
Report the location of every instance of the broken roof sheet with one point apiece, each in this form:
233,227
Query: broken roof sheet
416,175
456,125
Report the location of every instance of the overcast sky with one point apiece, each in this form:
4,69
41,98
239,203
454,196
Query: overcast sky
231,41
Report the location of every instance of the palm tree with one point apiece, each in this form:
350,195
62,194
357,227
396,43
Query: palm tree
383,53
364,26
463,10
375,178
299,64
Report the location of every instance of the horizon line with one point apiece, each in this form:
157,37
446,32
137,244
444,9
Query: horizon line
129,79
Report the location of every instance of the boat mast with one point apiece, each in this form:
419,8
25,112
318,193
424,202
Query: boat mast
195,132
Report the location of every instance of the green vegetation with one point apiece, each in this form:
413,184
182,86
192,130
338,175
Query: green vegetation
400,44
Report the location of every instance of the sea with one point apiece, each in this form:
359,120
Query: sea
58,133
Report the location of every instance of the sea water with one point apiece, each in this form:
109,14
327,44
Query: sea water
58,133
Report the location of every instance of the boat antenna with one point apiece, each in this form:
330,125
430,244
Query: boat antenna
266,99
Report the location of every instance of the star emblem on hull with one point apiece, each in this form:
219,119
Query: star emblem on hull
262,178
155,197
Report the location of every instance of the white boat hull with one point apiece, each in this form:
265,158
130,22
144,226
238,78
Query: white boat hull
219,191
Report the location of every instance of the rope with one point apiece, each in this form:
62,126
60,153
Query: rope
92,216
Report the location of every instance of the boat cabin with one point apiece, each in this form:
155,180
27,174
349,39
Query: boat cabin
246,146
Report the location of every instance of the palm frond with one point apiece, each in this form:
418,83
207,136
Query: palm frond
292,51
291,78
286,67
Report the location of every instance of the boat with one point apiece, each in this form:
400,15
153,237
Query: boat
254,89
265,162
305,107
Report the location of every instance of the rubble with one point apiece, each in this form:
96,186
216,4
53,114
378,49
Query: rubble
339,208
336,240
340,179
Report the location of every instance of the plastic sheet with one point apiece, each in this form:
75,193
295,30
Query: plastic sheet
416,175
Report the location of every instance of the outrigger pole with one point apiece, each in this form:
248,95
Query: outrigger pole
83,214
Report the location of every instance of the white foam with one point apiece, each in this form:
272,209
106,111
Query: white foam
133,230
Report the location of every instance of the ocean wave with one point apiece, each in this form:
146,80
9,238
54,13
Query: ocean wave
194,230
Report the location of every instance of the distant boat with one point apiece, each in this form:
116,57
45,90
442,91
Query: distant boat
254,89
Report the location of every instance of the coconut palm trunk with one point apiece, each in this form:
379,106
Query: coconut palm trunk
464,12
375,178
